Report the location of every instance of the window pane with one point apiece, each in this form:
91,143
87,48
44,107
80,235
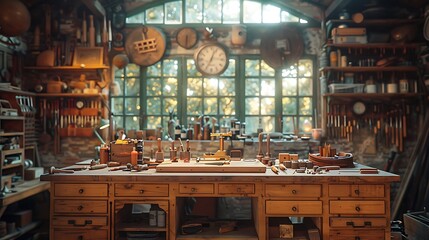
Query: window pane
252,124
268,124
117,105
267,106
288,124
155,14
132,70
153,87
305,106
194,11
270,14
194,106
226,87
252,12
210,86
266,70
170,67
118,122
290,72
210,106
289,87
194,87
230,71
132,106
192,70
230,11
289,106
212,11
252,67
153,106
170,87
132,87
169,103
227,106
305,86
118,87
138,18
153,122
252,106
267,87
132,123
173,12
154,70
252,87
287,17
305,68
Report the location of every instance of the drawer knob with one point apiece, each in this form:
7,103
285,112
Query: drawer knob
141,191
80,237
294,191
80,208
193,190
357,209
81,190
238,189
357,192
294,209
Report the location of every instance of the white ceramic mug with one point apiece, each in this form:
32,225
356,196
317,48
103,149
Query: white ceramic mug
392,88
371,88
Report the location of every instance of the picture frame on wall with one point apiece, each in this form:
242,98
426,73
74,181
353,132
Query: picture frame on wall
88,56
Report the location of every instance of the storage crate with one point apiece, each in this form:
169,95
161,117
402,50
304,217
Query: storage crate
346,88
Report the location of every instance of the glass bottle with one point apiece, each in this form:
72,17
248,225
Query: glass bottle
153,215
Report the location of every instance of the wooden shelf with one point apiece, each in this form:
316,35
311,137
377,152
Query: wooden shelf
11,134
372,69
375,45
20,231
138,227
375,22
74,95
69,68
380,96
11,118
243,231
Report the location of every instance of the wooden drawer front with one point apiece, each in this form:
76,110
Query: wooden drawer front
284,190
63,234
74,221
340,222
357,207
236,188
205,188
81,190
137,190
356,191
363,234
293,207
80,206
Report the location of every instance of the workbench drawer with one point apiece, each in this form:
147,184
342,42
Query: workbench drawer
141,190
293,190
293,207
80,206
236,188
77,221
195,188
370,191
81,190
357,207
65,234
356,222
363,234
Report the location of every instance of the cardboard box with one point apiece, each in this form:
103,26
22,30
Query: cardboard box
33,173
348,31
121,152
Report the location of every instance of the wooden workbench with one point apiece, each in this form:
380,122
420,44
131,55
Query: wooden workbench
97,204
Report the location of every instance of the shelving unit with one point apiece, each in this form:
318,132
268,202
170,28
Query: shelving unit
12,159
346,106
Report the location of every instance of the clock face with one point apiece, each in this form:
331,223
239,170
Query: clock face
211,59
187,37
359,108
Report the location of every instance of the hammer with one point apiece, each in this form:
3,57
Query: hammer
53,170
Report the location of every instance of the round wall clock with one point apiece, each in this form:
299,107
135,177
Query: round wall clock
211,59
187,37
359,108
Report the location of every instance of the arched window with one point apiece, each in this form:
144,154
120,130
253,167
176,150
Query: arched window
248,91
